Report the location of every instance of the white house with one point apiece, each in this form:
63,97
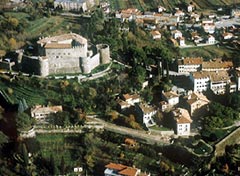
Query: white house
237,76
156,35
210,39
181,41
176,34
40,112
146,113
161,9
227,35
183,121
170,97
188,64
209,28
215,81
190,8
128,100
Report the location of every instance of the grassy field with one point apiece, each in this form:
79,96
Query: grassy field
208,52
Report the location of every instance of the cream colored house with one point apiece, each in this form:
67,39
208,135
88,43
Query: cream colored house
195,101
189,64
41,112
183,121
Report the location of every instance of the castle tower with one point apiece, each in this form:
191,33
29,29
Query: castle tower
104,51
43,67
85,66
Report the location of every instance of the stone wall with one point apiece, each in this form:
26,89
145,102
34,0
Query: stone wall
87,64
232,138
104,51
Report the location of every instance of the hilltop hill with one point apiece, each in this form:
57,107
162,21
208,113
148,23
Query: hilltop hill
170,4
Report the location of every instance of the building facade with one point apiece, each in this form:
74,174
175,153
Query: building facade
74,5
183,121
40,112
216,81
187,65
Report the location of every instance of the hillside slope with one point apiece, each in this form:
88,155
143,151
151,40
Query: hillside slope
170,4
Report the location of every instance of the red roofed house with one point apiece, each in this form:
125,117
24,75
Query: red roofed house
113,169
183,121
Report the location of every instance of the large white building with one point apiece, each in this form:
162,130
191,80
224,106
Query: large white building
41,112
215,81
187,65
183,121
66,53
146,113
74,5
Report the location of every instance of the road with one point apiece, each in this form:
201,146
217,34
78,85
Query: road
139,134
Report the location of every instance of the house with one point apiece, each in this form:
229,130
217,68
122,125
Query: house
209,28
170,97
190,8
227,35
145,114
128,14
235,12
155,35
128,100
196,37
131,98
195,17
195,101
131,143
176,34
113,169
216,81
210,40
41,112
179,13
216,65
183,121
161,9
163,105
237,78
188,64
181,41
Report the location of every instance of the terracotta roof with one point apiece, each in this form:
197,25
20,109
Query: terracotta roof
154,33
57,45
191,61
146,108
115,166
213,76
130,96
63,37
170,94
194,97
217,63
48,109
227,34
182,116
129,171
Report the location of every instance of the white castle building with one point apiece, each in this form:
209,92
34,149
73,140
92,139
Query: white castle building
67,53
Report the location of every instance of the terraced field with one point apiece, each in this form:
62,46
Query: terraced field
169,4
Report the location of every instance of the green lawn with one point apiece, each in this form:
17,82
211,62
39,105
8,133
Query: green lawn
201,148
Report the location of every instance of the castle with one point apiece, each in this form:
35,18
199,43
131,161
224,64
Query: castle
67,53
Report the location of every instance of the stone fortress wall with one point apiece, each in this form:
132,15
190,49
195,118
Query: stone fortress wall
65,56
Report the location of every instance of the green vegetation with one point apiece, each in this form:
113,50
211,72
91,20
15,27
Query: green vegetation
207,52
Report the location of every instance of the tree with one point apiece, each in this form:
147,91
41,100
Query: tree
24,121
25,154
53,166
12,43
3,139
62,166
